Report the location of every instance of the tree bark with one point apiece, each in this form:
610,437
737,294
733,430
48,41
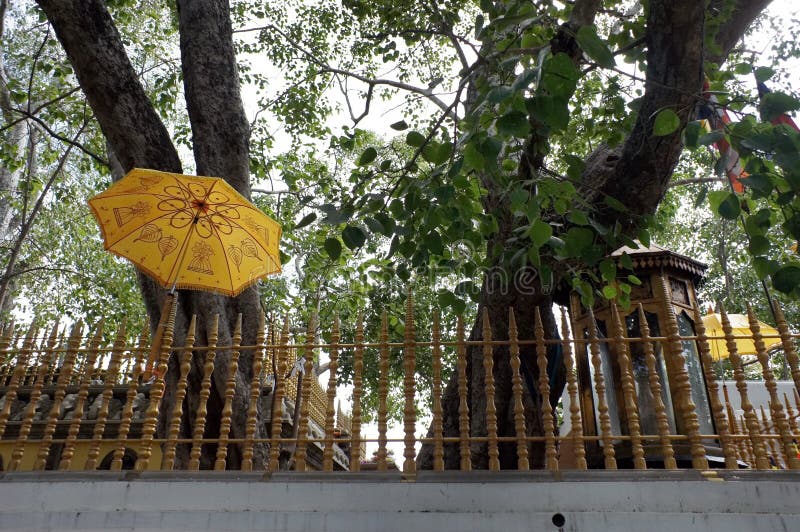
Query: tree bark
138,138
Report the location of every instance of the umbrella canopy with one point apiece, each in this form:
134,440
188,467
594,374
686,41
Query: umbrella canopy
741,327
188,231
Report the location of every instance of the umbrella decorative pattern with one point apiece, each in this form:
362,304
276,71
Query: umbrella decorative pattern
741,327
188,231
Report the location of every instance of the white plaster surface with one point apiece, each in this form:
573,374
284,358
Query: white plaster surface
594,501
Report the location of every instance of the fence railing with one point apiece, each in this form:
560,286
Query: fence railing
75,403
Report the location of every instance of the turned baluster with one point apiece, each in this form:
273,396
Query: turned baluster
309,378
184,365
516,392
205,391
572,389
383,391
255,394
327,453
230,393
282,356
551,457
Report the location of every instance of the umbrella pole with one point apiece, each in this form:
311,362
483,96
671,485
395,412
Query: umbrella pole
151,371
155,349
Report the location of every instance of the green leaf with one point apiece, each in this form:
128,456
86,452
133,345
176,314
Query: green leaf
762,74
514,123
399,126
634,280
774,104
374,225
333,247
594,46
644,237
553,112
608,270
307,219
433,241
759,182
498,94
559,76
540,232
415,139
666,122
609,292
368,156
711,138
353,236
691,133
730,208
765,267
473,158
786,279
759,245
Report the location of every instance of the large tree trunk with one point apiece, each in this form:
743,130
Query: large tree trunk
138,138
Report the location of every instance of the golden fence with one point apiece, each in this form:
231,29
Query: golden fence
74,403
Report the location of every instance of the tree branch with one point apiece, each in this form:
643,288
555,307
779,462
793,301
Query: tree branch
47,129
744,12
112,87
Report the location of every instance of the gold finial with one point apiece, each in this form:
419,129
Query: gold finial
309,379
185,363
516,391
572,390
778,416
751,421
436,366
230,392
409,374
600,387
327,454
383,390
628,389
205,392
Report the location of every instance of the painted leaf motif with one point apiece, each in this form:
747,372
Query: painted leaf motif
236,255
167,245
149,233
249,248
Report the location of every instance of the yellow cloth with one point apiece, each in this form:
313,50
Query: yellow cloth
188,231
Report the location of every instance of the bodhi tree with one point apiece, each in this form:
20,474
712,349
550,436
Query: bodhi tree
535,159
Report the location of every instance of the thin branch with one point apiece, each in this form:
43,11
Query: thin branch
40,107
697,181
72,142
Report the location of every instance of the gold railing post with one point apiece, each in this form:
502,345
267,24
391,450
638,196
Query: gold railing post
751,421
654,382
205,392
628,389
301,452
551,457
383,391
410,407
30,409
516,390
156,392
108,393
600,388
327,453
436,366
230,392
281,360
355,421
463,404
255,394
184,365
788,343
489,394
18,376
717,408
83,392
130,398
776,408
64,378
682,387
572,389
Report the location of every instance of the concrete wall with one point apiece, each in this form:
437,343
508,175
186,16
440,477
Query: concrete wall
650,501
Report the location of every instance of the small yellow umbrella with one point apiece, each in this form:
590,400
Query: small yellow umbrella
187,232
741,327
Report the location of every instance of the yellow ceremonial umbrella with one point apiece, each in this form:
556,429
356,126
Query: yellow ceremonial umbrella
187,232
741,327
